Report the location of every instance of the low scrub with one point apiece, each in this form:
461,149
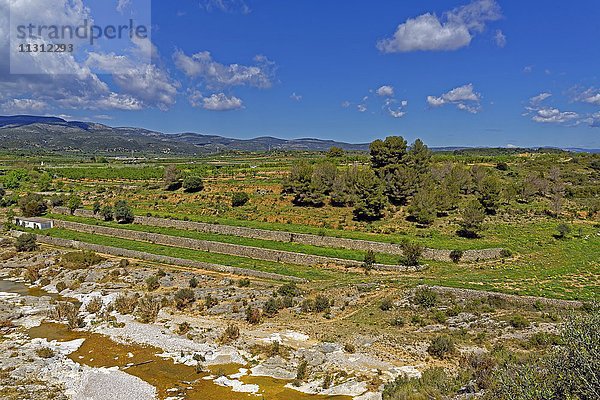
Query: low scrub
80,259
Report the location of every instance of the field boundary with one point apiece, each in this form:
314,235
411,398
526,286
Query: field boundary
224,248
302,238
513,298
140,255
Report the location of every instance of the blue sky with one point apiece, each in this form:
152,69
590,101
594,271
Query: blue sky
452,72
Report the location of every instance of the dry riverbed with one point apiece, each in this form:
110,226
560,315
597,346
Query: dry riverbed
132,337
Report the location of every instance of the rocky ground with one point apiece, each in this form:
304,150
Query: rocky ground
351,346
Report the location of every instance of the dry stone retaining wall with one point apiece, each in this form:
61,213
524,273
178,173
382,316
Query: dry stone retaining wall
140,255
526,300
302,238
219,247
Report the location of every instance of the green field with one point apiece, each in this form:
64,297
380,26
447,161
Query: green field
195,255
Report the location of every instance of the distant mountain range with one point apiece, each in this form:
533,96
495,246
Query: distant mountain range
52,134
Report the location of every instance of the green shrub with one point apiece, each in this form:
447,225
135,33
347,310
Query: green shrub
152,283
26,242
288,289
456,255
80,259
193,282
322,303
239,199
412,253
193,184
184,297
244,282
518,321
441,346
425,297
386,305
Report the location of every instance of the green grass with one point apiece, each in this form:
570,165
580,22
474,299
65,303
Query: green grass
266,244
195,255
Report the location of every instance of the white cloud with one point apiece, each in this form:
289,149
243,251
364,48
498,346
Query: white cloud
215,102
296,97
500,38
463,97
385,91
23,105
394,108
361,108
528,69
536,100
346,104
229,6
453,31
553,115
216,75
589,96
220,102
69,83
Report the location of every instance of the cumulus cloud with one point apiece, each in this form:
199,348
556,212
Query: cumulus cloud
216,75
73,83
553,115
547,114
463,97
454,30
395,108
361,108
385,91
215,102
345,104
220,102
296,97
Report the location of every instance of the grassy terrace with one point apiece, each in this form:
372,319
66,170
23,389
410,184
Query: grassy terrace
195,255
265,244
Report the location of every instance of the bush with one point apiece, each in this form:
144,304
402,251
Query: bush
386,305
456,255
107,213
441,346
425,297
184,297
33,205
239,199
94,305
412,253
271,307
123,213
193,184
369,260
148,308
69,312
44,352
152,283
434,383
321,303
231,333
125,304
349,348
244,282
301,372
253,315
80,259
26,242
562,230
505,253
288,289
193,282
518,321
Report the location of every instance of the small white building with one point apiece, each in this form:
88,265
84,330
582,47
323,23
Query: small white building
34,223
